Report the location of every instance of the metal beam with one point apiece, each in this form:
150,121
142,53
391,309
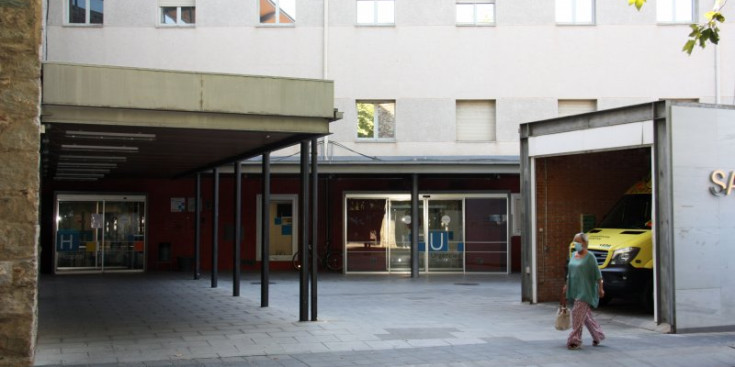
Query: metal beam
414,225
304,233
198,227
265,235
604,118
215,224
237,230
664,215
314,225
527,228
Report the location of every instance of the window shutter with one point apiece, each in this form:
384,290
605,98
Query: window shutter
576,106
176,2
476,120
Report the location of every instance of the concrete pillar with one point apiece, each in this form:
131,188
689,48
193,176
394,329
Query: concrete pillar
20,92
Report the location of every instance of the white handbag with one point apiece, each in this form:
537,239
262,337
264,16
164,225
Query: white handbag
563,319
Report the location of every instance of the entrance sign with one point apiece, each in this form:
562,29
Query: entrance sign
67,240
723,184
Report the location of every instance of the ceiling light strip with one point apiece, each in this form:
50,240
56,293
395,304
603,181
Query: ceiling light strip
104,135
99,148
87,164
82,170
108,158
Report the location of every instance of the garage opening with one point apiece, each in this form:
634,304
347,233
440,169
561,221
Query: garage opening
574,167
608,196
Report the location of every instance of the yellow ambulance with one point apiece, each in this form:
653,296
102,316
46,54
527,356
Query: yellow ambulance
622,244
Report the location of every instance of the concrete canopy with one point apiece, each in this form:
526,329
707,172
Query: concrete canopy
112,122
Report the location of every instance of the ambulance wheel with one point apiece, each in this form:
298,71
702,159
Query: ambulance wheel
647,296
604,301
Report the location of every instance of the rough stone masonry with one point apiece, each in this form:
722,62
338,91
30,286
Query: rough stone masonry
20,95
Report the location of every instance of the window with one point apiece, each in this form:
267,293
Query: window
375,12
277,11
478,12
576,106
376,120
575,11
675,11
177,12
476,120
85,11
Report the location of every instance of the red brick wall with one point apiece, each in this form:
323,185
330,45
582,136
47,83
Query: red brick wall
568,186
178,228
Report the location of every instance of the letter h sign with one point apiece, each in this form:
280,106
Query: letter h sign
67,240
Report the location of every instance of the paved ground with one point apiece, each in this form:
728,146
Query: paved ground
167,319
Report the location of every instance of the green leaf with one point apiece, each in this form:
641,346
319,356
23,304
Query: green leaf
689,47
638,3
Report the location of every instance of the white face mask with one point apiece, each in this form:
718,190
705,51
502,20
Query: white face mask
577,246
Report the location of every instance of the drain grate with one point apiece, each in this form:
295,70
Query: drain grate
466,283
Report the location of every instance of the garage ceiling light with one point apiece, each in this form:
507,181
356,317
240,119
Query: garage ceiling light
81,170
101,135
99,148
87,165
62,178
79,175
96,158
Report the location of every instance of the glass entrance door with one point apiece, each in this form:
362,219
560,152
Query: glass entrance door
100,233
444,248
398,229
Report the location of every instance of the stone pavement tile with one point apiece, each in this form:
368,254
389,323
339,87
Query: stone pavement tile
265,340
316,338
257,350
356,337
210,338
463,341
242,337
387,344
428,342
494,329
346,346
304,348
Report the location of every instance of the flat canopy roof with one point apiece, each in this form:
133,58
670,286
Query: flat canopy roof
113,122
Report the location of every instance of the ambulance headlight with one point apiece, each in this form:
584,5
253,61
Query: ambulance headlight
624,256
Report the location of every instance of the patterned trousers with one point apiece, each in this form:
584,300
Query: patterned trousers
582,316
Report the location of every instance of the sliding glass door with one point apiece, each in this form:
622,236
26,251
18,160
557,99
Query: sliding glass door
97,233
463,233
445,247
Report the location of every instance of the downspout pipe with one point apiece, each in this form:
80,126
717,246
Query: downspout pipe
325,67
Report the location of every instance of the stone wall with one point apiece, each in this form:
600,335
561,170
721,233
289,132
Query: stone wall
20,92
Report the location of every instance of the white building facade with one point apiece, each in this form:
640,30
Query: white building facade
422,56
436,88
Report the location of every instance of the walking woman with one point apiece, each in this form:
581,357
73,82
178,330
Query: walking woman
583,290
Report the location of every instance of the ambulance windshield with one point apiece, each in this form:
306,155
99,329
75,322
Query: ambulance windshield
631,212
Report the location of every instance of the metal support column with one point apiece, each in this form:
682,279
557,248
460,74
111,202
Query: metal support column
215,224
304,233
314,225
414,225
237,230
265,210
198,227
